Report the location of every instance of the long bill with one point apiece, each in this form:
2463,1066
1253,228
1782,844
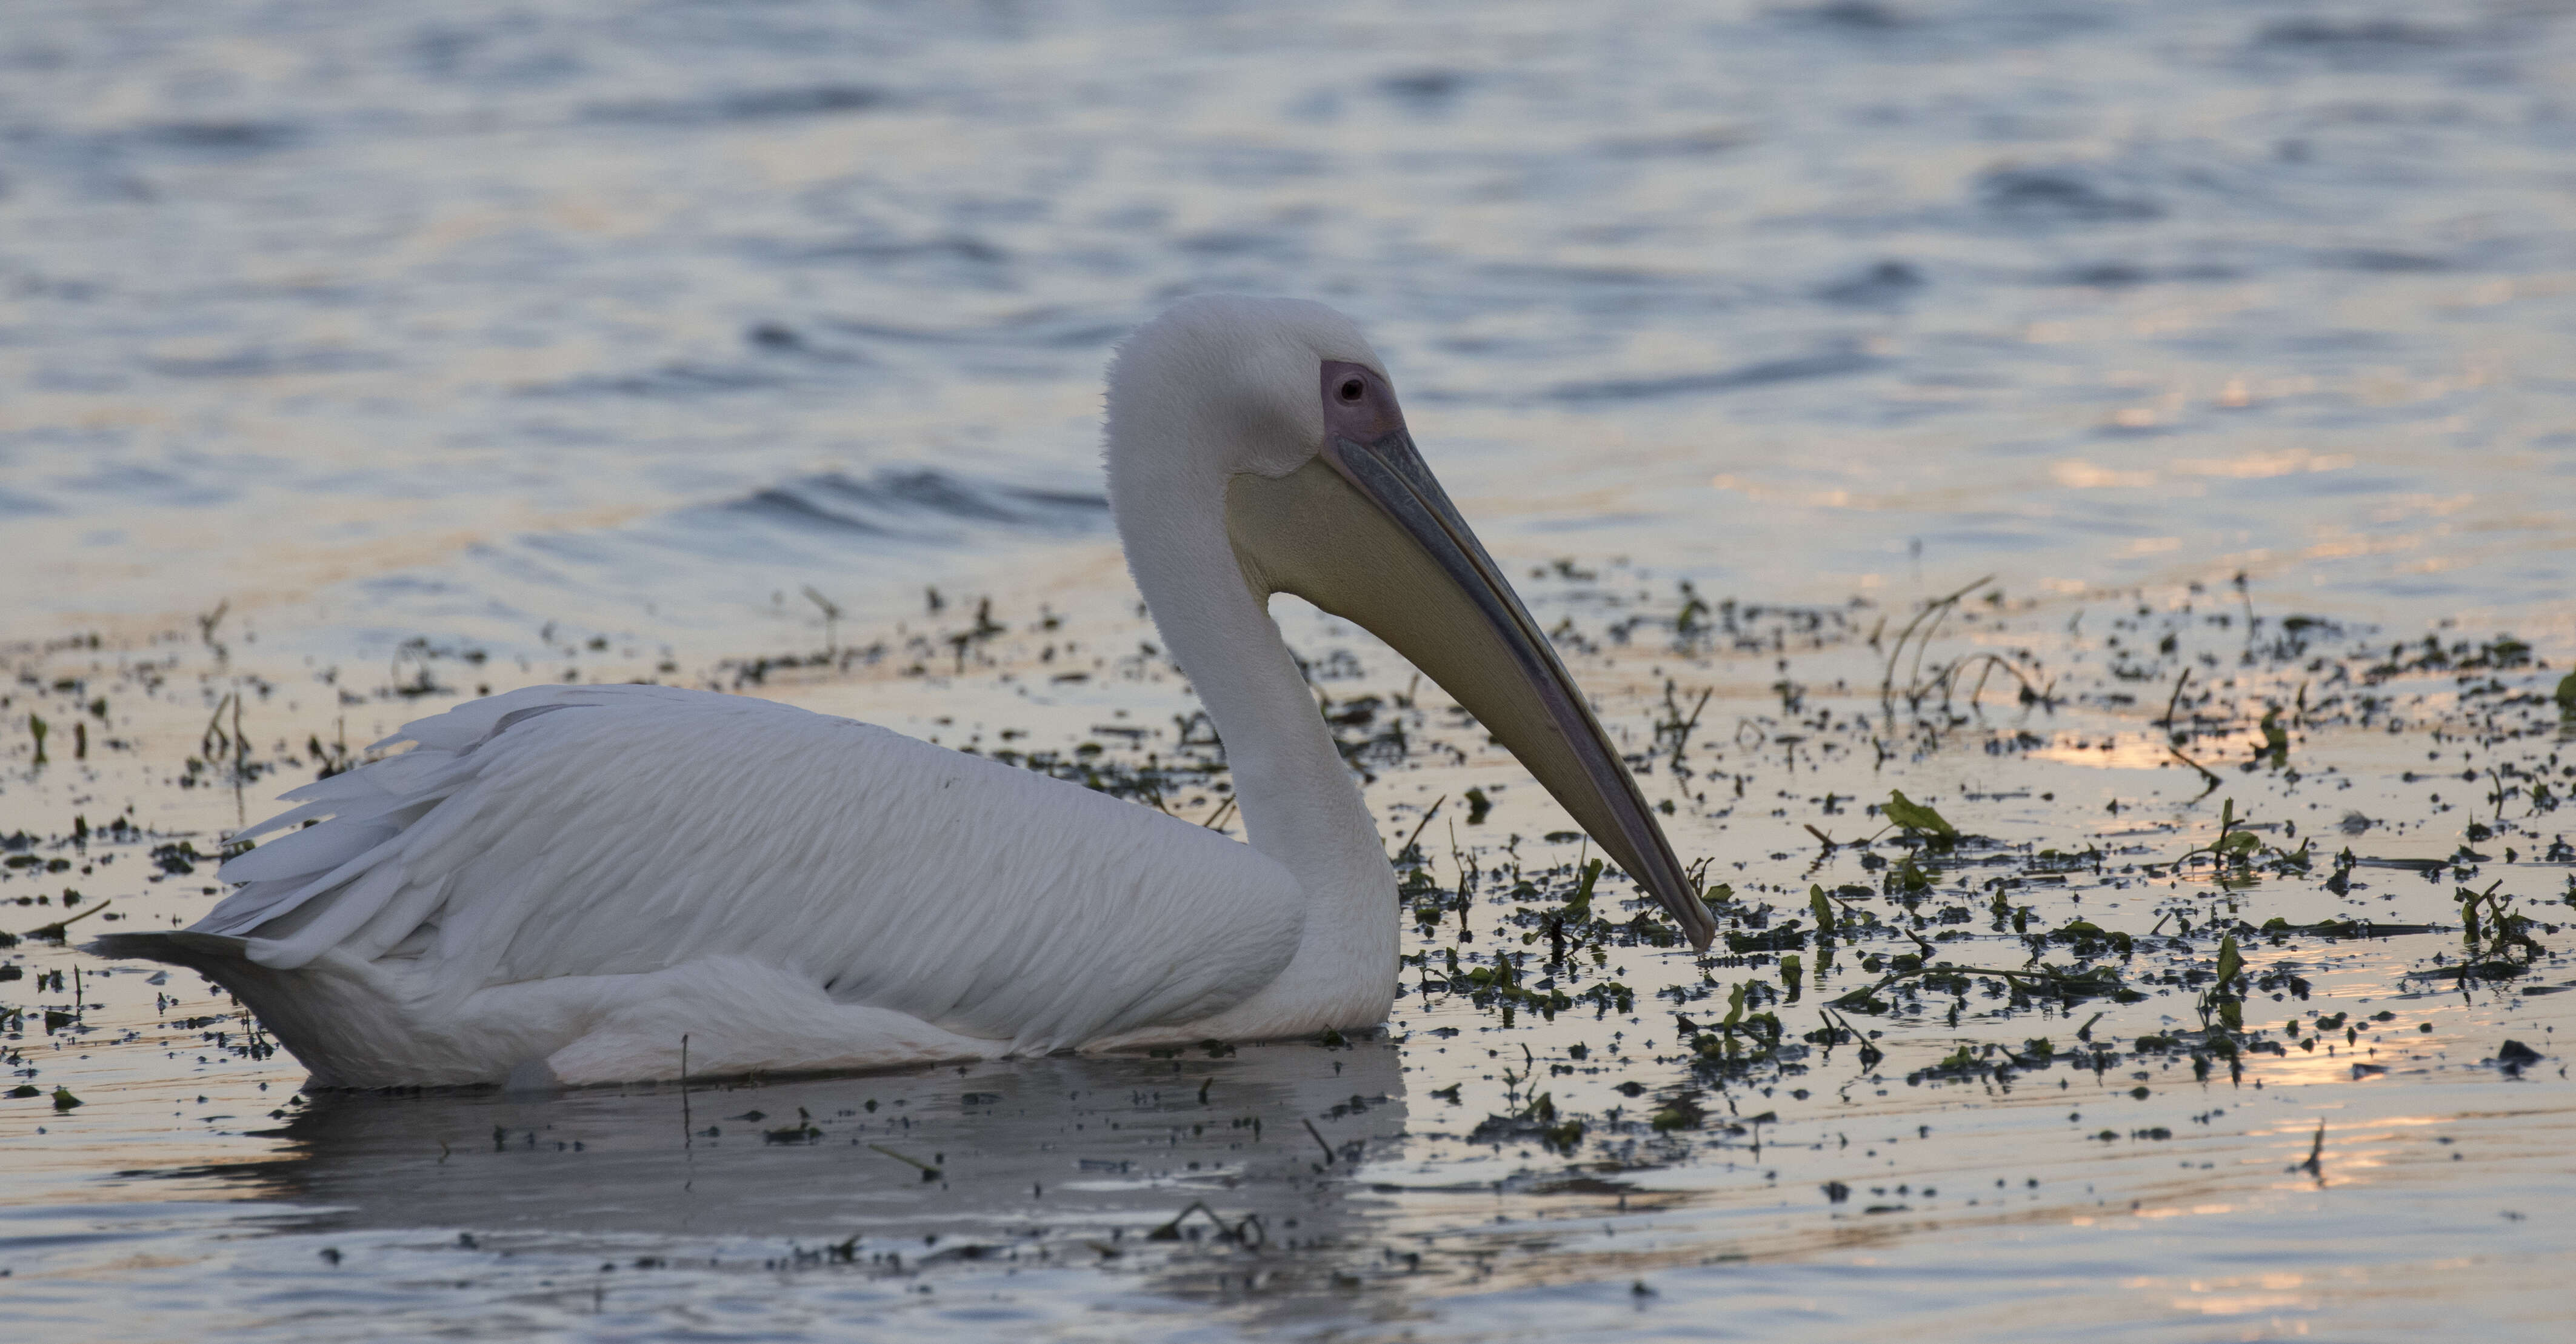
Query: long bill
1365,532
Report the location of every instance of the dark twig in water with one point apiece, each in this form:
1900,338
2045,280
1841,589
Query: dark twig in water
215,740
1937,610
1319,1142
1418,828
831,620
2245,594
928,1172
53,933
2214,781
1988,662
2175,699
1946,678
1681,727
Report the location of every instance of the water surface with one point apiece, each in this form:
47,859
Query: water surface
359,360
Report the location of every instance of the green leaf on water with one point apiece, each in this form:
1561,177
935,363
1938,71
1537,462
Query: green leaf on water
1579,906
1824,908
1915,818
2567,693
64,1100
2230,961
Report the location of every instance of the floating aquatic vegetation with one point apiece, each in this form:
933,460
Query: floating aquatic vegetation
1985,943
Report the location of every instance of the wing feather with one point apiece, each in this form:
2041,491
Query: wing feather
609,830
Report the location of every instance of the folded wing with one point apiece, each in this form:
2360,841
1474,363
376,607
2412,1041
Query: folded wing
609,830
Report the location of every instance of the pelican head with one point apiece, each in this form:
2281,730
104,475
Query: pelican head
1267,432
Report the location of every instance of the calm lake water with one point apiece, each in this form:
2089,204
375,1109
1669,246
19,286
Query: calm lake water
358,358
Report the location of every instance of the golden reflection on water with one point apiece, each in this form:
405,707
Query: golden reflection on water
2185,1211
2133,751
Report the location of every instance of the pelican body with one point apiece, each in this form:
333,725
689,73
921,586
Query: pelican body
560,884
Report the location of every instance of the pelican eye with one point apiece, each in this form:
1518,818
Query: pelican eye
1351,389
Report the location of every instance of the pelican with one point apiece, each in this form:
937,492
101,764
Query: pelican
557,885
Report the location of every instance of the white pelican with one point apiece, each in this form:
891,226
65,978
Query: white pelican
559,883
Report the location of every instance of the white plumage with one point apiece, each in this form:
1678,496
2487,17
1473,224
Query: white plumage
564,881
583,874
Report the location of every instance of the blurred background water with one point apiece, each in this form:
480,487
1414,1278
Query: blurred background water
514,324
630,317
